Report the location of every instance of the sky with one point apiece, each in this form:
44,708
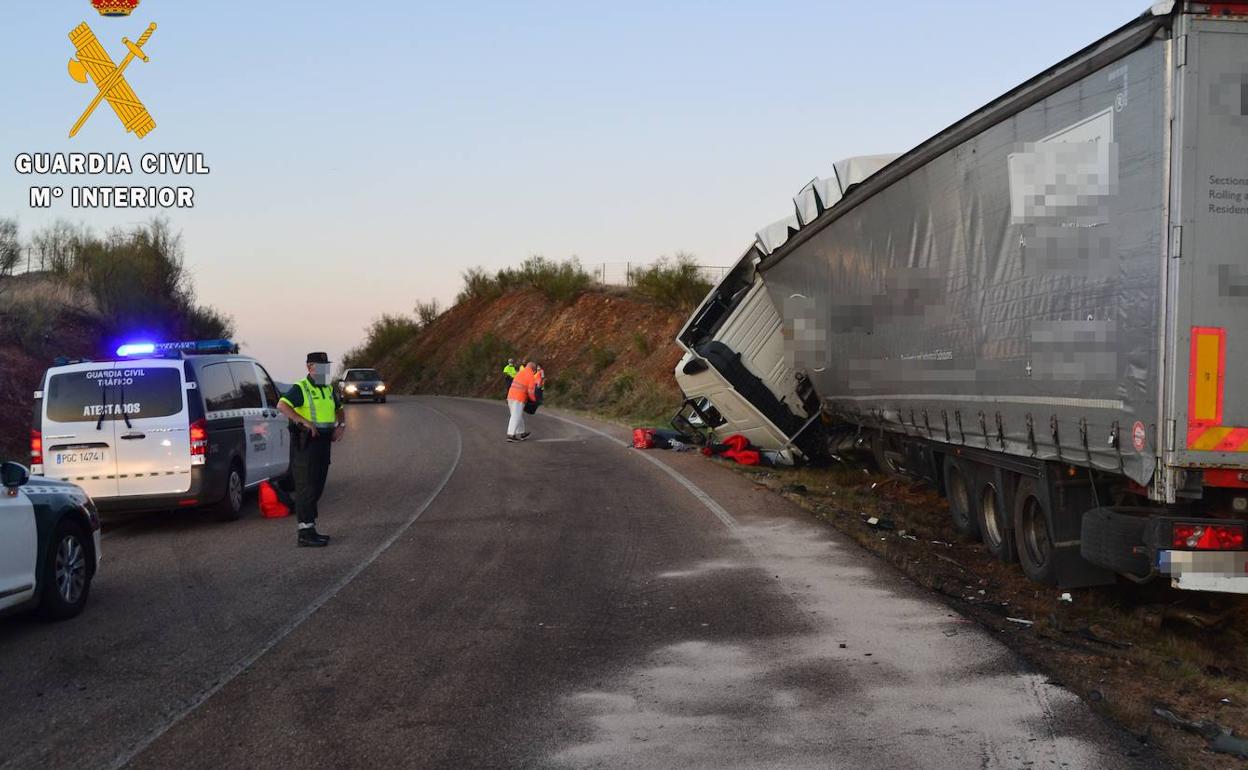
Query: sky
363,155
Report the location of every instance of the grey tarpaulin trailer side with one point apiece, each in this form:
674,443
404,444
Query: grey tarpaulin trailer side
1024,291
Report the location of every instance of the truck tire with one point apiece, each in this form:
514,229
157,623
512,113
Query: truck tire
994,524
960,491
885,455
230,508
1032,533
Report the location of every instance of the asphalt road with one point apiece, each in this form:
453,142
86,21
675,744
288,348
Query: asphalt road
564,602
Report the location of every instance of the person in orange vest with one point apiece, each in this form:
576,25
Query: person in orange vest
523,390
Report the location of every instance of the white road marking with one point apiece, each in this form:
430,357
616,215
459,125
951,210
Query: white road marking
298,620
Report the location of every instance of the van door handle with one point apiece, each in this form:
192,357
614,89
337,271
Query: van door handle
130,436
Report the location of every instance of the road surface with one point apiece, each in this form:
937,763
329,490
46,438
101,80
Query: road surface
564,602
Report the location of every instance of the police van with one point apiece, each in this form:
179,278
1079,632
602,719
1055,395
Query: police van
161,426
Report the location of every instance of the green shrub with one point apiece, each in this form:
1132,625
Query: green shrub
676,284
384,335
642,343
600,358
560,281
481,361
427,312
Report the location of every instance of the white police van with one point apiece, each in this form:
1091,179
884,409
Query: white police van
161,426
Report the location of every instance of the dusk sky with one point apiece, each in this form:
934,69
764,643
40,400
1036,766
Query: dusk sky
363,155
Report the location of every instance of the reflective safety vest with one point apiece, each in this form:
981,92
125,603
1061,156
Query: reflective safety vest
318,405
510,371
522,387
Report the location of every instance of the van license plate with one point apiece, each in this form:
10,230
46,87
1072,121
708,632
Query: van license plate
80,457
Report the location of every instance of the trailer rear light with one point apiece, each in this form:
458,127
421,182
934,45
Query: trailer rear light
199,441
1207,537
36,452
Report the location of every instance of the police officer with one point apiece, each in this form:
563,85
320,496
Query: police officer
316,420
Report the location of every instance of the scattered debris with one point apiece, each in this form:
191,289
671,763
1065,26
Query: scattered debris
1220,738
954,562
1155,616
1093,635
1066,597
796,489
1022,621
878,523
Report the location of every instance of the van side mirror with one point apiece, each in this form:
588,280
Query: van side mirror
13,475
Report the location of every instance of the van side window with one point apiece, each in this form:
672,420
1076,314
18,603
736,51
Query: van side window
220,392
248,386
270,390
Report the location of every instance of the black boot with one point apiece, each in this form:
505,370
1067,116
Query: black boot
310,538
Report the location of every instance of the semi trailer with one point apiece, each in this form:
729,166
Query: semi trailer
1042,310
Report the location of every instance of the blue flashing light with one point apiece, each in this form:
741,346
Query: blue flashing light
199,346
136,349
174,349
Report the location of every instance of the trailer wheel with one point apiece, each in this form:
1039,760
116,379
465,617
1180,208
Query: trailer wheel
993,523
961,499
1031,533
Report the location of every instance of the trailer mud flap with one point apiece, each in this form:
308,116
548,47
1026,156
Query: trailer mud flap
1114,539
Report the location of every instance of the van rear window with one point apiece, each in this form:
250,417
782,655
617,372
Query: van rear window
134,392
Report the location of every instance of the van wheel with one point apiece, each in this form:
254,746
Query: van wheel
993,523
1032,535
961,499
231,506
66,579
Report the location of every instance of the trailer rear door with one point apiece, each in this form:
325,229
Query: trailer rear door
1208,334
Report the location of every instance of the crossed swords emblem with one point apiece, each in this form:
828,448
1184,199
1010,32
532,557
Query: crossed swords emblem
93,61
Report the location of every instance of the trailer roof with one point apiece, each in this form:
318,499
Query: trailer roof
1110,48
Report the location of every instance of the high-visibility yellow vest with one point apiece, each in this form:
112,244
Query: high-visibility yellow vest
318,404
510,370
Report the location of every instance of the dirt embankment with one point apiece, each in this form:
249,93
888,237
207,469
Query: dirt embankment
601,350
40,319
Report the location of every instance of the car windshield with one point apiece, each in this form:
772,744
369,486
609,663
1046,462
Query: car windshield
362,375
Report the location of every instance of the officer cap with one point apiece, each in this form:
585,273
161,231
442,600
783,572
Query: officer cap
318,358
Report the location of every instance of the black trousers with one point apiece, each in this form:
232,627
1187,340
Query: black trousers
310,467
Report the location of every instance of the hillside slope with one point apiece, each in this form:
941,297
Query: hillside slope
39,320
601,350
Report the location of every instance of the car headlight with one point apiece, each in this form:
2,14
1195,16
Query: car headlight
351,389
381,386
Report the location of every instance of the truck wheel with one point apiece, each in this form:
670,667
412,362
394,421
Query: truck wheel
231,506
884,455
961,499
1031,533
993,524
66,579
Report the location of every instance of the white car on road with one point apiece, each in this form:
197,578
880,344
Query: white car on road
49,544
